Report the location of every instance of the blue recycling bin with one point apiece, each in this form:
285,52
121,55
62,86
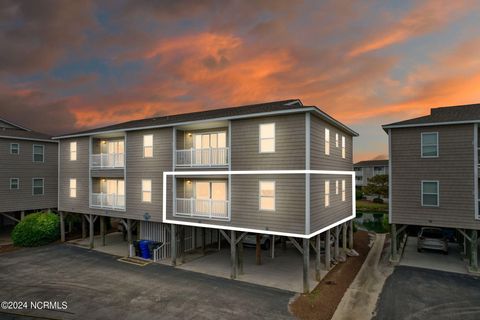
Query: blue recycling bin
144,250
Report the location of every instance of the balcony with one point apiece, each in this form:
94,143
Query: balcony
204,157
107,161
110,201
202,208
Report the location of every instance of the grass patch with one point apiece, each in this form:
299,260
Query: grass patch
368,206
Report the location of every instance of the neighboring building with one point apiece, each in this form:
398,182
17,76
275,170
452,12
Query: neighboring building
434,172
364,170
241,169
28,171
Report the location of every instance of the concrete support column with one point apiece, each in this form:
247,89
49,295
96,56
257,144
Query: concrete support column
328,246
336,249
62,226
203,240
129,231
173,244
240,256
22,215
344,237
233,255
393,242
84,227
258,250
350,234
306,265
91,233
102,229
181,246
474,251
317,258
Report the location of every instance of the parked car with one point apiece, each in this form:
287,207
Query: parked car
432,238
251,240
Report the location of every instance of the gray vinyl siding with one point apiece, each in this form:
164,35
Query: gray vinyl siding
139,168
289,144
77,169
334,161
22,166
321,216
453,169
289,214
108,173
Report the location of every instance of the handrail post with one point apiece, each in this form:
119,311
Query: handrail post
191,157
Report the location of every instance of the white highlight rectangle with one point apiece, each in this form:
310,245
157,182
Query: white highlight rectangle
255,172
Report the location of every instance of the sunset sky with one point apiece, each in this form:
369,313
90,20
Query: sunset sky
72,65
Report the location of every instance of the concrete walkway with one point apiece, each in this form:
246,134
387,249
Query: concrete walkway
361,297
114,244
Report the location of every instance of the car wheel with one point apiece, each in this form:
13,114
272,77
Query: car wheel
266,245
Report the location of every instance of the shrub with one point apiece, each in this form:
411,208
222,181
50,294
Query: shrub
358,195
36,229
378,200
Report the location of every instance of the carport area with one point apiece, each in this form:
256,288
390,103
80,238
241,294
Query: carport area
284,271
435,260
114,244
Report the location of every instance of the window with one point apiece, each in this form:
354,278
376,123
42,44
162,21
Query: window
38,151
343,190
14,183
73,188
327,193
14,148
147,190
336,186
429,144
37,186
267,195
148,146
267,137
359,178
327,141
343,147
336,140
73,151
430,194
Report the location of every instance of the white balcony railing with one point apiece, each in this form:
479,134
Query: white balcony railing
107,160
108,201
206,157
204,208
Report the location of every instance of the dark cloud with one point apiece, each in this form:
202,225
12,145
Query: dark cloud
34,35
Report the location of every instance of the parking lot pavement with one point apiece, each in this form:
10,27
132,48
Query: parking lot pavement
96,286
416,293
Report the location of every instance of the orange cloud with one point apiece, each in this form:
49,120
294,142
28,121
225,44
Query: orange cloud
428,17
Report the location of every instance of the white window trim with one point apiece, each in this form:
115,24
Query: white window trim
43,186
18,148
150,191
344,191
43,152
260,195
260,137
327,193
344,152
143,143
70,188
327,141
73,152
18,183
437,194
421,145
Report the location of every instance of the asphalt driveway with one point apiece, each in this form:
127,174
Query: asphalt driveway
97,286
415,293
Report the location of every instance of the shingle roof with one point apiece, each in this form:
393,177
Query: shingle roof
24,135
371,163
245,110
464,113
